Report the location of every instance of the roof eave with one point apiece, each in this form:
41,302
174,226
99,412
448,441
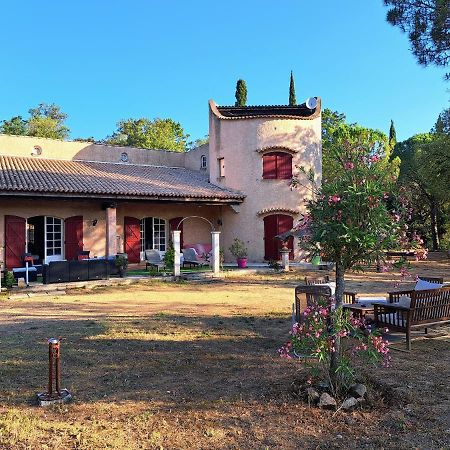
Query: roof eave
169,198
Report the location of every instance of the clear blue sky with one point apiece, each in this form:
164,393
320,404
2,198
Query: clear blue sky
105,60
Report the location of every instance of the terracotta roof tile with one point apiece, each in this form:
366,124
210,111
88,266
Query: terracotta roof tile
38,175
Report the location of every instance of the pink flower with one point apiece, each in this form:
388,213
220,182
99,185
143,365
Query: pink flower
374,158
333,199
349,165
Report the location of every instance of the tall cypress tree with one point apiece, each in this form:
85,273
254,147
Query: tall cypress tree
292,97
392,135
241,93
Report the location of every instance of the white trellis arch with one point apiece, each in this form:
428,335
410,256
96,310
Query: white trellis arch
176,239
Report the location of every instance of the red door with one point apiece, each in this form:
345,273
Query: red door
14,241
174,224
73,237
133,239
273,226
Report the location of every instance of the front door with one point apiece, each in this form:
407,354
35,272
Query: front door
14,241
274,225
73,234
132,239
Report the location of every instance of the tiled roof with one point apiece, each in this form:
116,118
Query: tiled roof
266,111
49,176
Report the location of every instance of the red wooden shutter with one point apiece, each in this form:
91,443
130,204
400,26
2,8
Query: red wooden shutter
284,166
174,224
73,237
270,231
269,166
285,223
14,241
132,239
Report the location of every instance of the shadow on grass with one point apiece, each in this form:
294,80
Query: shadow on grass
162,357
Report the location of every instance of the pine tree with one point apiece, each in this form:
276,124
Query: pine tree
392,135
241,93
292,98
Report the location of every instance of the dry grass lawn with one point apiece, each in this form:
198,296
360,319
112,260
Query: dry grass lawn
177,366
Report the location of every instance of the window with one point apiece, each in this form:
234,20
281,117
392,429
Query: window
277,165
36,151
53,236
203,163
221,162
153,234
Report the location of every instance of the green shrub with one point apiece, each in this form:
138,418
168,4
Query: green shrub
9,279
238,249
169,257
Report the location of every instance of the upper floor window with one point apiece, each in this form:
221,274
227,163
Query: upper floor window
221,162
277,165
203,163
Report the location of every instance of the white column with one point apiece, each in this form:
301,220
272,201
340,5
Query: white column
111,231
176,239
285,259
215,258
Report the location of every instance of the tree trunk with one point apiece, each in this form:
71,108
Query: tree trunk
335,355
434,224
340,284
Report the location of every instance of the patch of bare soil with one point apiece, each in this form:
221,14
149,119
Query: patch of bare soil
195,366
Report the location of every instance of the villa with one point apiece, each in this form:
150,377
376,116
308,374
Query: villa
59,198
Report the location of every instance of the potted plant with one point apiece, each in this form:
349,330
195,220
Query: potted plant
121,264
239,251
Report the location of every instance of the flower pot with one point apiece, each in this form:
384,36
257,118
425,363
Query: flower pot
242,263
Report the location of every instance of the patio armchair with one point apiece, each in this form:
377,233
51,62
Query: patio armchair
348,297
305,295
191,257
313,281
153,259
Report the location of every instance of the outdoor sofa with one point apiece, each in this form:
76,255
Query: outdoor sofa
84,270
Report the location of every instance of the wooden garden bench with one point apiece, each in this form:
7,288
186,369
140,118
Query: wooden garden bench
394,297
401,254
426,309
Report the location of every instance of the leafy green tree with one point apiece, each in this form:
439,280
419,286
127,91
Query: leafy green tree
161,134
47,120
16,126
241,93
198,142
292,97
443,123
424,169
332,122
427,25
392,135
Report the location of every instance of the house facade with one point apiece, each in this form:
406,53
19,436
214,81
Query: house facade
59,198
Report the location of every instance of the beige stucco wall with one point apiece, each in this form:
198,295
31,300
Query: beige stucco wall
94,237
240,142
193,158
70,150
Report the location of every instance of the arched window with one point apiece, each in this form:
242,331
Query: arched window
277,165
203,162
